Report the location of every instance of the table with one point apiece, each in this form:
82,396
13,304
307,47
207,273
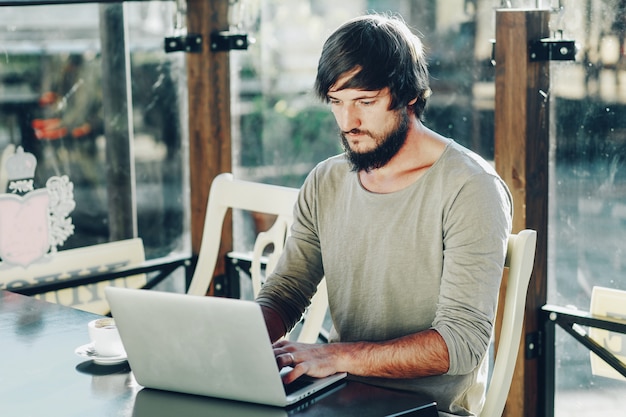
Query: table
42,376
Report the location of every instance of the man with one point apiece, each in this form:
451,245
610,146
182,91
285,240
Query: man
409,228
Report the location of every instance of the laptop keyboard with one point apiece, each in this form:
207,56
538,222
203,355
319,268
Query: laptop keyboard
301,382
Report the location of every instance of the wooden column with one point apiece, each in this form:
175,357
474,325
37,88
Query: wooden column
117,103
209,116
521,157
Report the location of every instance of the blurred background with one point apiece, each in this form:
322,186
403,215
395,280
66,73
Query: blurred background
52,104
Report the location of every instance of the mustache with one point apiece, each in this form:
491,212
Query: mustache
355,131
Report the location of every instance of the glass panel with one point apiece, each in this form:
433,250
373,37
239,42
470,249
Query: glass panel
53,94
587,192
159,95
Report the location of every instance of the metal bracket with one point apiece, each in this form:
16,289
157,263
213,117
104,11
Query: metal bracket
550,49
572,321
227,41
189,43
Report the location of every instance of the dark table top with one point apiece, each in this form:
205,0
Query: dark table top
42,376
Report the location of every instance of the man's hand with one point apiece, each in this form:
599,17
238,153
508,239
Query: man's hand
316,360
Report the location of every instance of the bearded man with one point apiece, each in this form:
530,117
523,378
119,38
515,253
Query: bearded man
409,228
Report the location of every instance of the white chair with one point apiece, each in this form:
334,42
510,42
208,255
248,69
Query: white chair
520,258
230,193
314,317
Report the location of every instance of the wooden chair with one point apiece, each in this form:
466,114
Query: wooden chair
230,193
520,258
275,237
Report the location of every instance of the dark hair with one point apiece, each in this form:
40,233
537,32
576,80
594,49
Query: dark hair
385,53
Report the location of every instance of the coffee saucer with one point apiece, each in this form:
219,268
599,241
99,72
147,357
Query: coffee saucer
87,351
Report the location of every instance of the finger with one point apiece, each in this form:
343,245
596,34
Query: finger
294,374
279,352
286,359
280,343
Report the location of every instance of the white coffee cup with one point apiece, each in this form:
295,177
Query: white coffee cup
105,337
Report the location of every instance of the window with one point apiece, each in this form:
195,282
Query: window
64,98
587,190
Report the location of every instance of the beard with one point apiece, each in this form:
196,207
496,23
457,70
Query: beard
387,147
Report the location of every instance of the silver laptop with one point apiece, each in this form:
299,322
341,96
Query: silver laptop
212,346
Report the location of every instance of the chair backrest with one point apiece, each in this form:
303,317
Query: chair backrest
227,192
520,258
313,319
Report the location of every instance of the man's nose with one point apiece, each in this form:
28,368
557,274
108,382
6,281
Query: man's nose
348,119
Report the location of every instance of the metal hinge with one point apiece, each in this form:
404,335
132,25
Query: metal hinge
551,49
189,43
227,41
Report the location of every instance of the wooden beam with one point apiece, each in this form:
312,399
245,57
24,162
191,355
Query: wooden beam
521,158
117,103
208,77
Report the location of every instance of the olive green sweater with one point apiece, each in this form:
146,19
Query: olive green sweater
428,256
